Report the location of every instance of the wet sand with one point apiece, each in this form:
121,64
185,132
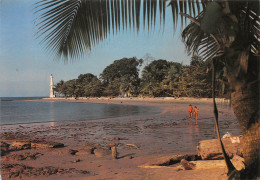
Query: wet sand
166,133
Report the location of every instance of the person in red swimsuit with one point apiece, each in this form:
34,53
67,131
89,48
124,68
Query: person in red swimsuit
196,112
190,111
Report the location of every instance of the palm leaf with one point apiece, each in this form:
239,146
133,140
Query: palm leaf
198,42
70,28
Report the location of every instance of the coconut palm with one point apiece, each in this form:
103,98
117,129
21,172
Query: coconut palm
220,30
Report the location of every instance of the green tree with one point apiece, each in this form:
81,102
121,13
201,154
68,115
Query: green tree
125,73
221,30
172,80
200,86
81,83
93,88
153,75
69,88
112,88
59,87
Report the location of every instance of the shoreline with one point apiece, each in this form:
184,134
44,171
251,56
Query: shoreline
166,133
134,100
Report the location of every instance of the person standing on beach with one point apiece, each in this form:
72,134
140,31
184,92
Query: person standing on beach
196,113
190,111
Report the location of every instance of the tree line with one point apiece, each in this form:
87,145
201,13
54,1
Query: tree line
160,78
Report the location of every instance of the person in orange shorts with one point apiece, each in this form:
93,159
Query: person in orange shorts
196,113
190,111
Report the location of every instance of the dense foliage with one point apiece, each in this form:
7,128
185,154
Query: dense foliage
160,78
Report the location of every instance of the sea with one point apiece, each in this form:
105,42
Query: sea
18,110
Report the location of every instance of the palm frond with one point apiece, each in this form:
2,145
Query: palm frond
186,7
197,41
249,24
70,28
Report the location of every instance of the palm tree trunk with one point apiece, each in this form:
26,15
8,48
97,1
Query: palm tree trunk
246,109
245,103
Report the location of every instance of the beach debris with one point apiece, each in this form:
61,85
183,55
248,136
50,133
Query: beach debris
115,144
114,139
4,148
172,159
85,152
4,144
157,167
191,162
237,161
102,152
174,124
235,139
131,157
11,171
133,145
73,152
77,160
114,152
20,145
211,149
90,147
187,165
42,144
227,135
21,157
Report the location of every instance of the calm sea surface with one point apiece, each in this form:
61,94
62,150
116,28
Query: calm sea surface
17,110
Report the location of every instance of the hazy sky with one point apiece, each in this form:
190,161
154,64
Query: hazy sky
25,66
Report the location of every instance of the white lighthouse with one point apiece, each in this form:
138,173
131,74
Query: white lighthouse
51,87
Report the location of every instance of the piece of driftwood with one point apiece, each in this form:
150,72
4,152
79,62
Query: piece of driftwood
132,145
211,149
172,159
158,167
114,152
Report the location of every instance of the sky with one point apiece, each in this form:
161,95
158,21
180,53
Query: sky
25,66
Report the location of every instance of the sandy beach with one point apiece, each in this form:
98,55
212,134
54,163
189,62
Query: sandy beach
139,139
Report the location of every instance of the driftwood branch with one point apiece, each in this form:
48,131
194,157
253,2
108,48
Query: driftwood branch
132,145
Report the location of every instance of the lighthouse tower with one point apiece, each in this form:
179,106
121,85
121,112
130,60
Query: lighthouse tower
51,87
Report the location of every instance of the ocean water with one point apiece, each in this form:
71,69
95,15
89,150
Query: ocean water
20,111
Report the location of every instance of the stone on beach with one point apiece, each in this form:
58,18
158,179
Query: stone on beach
237,161
21,157
4,144
173,159
46,144
102,152
114,139
84,152
89,148
11,171
72,151
77,160
187,165
4,148
20,145
211,149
